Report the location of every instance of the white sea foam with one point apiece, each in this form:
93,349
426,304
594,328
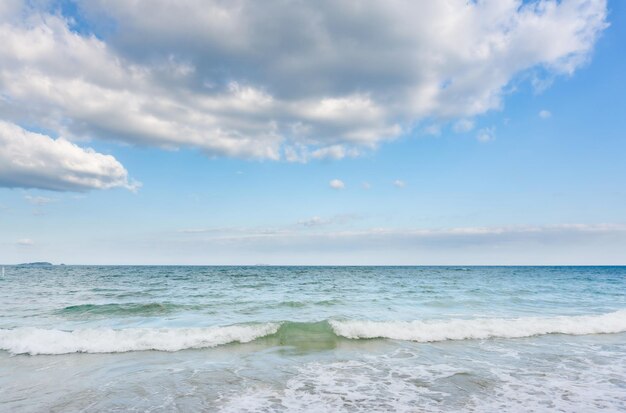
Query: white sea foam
459,329
405,380
375,384
28,340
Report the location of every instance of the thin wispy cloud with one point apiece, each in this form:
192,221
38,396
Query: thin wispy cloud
426,233
314,221
433,130
39,200
317,221
463,125
545,114
516,244
486,135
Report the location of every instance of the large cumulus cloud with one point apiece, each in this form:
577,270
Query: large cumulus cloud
34,160
278,79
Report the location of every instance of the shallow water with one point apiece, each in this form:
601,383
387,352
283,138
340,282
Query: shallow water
313,339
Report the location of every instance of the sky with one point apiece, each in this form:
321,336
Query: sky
457,132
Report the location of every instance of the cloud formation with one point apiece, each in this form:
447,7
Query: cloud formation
275,79
472,234
39,200
337,184
463,125
522,244
545,114
33,160
314,221
486,134
317,221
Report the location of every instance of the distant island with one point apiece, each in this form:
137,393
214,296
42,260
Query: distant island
35,264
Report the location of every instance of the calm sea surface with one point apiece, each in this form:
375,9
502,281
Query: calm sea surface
319,339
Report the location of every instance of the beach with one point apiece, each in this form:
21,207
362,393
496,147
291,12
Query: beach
282,339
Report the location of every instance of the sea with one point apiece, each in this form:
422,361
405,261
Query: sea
312,339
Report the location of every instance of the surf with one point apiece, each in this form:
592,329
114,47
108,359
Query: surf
319,335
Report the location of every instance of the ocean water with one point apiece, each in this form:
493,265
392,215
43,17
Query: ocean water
318,339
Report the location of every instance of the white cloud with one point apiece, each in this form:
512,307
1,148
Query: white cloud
366,185
317,221
39,200
337,184
313,221
25,242
33,160
330,152
10,8
470,233
522,244
545,114
256,80
486,134
433,130
399,184
573,244
463,125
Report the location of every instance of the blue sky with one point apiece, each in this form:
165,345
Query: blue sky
524,167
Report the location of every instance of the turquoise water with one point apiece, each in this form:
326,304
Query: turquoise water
78,338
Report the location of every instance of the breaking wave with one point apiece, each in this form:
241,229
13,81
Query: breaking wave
28,340
311,335
482,328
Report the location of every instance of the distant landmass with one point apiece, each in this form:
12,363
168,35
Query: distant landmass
35,264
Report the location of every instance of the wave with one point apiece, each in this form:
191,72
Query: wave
302,335
482,328
33,341
121,309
